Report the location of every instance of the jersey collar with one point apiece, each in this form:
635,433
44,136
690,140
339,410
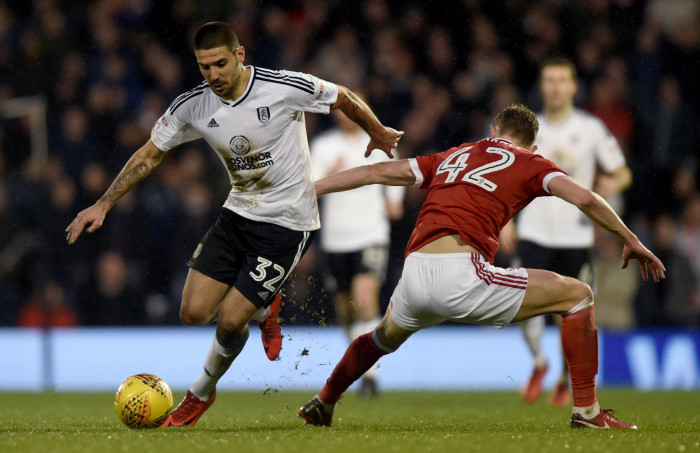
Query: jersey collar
504,140
246,92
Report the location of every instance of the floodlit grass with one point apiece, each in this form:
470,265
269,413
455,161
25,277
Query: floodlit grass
394,422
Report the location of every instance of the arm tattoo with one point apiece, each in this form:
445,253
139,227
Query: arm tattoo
126,179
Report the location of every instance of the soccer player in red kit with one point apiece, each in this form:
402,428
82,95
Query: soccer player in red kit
472,192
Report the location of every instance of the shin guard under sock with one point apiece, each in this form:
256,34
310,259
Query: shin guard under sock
362,353
579,338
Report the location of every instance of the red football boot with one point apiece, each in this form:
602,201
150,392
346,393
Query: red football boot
604,420
561,395
189,411
533,389
270,330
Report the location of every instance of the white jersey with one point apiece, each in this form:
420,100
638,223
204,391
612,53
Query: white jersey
578,145
261,140
355,219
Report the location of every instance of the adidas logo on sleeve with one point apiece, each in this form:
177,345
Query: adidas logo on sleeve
213,123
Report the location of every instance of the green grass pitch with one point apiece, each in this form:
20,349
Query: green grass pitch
394,422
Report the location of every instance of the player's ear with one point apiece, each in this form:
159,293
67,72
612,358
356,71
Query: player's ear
493,130
240,54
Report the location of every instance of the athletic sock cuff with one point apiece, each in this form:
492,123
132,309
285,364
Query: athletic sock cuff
386,349
585,303
231,345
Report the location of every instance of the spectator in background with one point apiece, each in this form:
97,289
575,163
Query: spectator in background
48,308
111,298
672,301
71,80
12,248
73,144
669,150
607,103
688,237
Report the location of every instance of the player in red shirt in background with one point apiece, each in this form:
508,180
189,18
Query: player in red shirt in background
472,191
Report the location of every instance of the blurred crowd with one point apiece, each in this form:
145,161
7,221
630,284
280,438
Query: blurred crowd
437,70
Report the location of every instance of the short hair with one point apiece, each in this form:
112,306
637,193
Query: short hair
215,34
559,62
518,122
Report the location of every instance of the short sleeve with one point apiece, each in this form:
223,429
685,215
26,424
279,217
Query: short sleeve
308,93
172,130
608,152
417,171
543,171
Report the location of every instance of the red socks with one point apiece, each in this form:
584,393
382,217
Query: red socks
579,339
359,357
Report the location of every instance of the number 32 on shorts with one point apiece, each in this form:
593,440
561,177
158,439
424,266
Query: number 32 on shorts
260,273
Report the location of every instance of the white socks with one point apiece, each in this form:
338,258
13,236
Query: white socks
587,412
218,361
360,328
533,329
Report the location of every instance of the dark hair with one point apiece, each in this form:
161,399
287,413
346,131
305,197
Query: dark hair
559,61
518,122
215,34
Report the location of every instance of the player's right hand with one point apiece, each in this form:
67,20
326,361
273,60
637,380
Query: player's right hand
636,250
91,217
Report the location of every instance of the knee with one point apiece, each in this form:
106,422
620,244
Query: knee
231,325
585,290
190,317
581,297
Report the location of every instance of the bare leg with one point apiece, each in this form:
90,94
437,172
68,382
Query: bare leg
533,329
203,299
344,312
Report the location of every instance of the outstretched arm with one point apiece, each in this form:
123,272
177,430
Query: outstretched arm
381,137
141,163
598,210
393,173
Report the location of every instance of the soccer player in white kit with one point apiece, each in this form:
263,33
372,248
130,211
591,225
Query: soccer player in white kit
553,234
472,191
254,119
356,232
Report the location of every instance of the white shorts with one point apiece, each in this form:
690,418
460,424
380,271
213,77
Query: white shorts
461,287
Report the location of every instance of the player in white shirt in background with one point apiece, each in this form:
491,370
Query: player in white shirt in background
552,234
253,118
356,232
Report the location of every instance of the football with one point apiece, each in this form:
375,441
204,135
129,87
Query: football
143,401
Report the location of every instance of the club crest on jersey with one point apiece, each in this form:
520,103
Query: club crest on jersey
240,145
264,114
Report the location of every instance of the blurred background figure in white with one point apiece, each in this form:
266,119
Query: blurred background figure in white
355,233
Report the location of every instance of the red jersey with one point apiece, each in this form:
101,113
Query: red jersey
474,189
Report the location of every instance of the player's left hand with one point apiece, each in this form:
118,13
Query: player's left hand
636,250
386,140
